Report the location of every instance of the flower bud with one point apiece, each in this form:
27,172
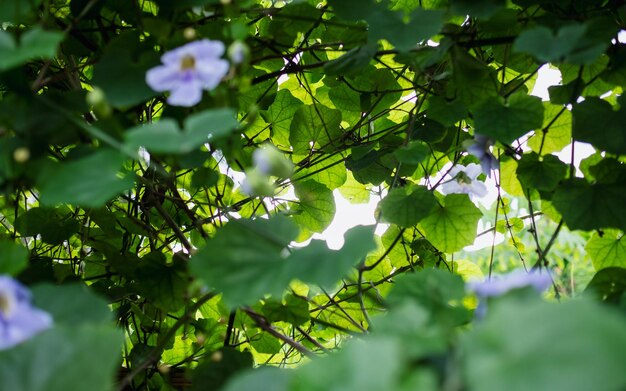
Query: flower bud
98,101
257,184
238,52
270,161
189,33
21,155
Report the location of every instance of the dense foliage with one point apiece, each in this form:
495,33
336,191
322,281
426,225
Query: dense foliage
165,166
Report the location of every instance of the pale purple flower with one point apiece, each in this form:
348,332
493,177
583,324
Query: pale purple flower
480,148
188,70
19,320
464,181
498,286
269,160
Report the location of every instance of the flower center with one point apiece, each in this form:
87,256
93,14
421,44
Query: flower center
462,177
187,62
6,305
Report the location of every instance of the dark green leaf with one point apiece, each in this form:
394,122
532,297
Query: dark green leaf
14,257
540,173
594,114
408,205
508,120
588,207
35,43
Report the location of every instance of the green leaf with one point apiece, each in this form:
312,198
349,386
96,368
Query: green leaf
218,372
35,43
244,259
200,128
315,124
85,358
452,225
540,173
352,62
80,352
608,285
264,378
413,153
72,305
291,309
89,181
14,258
556,132
476,8
17,11
439,291
607,250
586,207
446,112
317,264
370,365
508,120
421,25
408,205
315,209
538,346
54,225
594,114
280,115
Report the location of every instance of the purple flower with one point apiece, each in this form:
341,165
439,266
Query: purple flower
500,285
19,320
188,70
464,181
480,148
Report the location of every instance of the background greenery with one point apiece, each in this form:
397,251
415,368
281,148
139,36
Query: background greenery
203,282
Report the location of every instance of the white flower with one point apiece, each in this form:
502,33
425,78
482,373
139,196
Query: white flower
188,70
269,160
480,148
464,181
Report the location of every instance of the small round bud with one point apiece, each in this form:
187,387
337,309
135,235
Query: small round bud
164,368
189,33
225,2
21,155
217,356
238,52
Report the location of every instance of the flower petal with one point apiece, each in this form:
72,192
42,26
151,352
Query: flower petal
211,72
473,170
452,187
163,77
186,94
478,189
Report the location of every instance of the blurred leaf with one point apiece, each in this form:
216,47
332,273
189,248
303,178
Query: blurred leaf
264,378
215,370
370,365
476,8
14,258
539,346
408,205
72,305
165,136
54,225
607,250
17,11
452,225
594,114
35,43
89,181
413,153
122,70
